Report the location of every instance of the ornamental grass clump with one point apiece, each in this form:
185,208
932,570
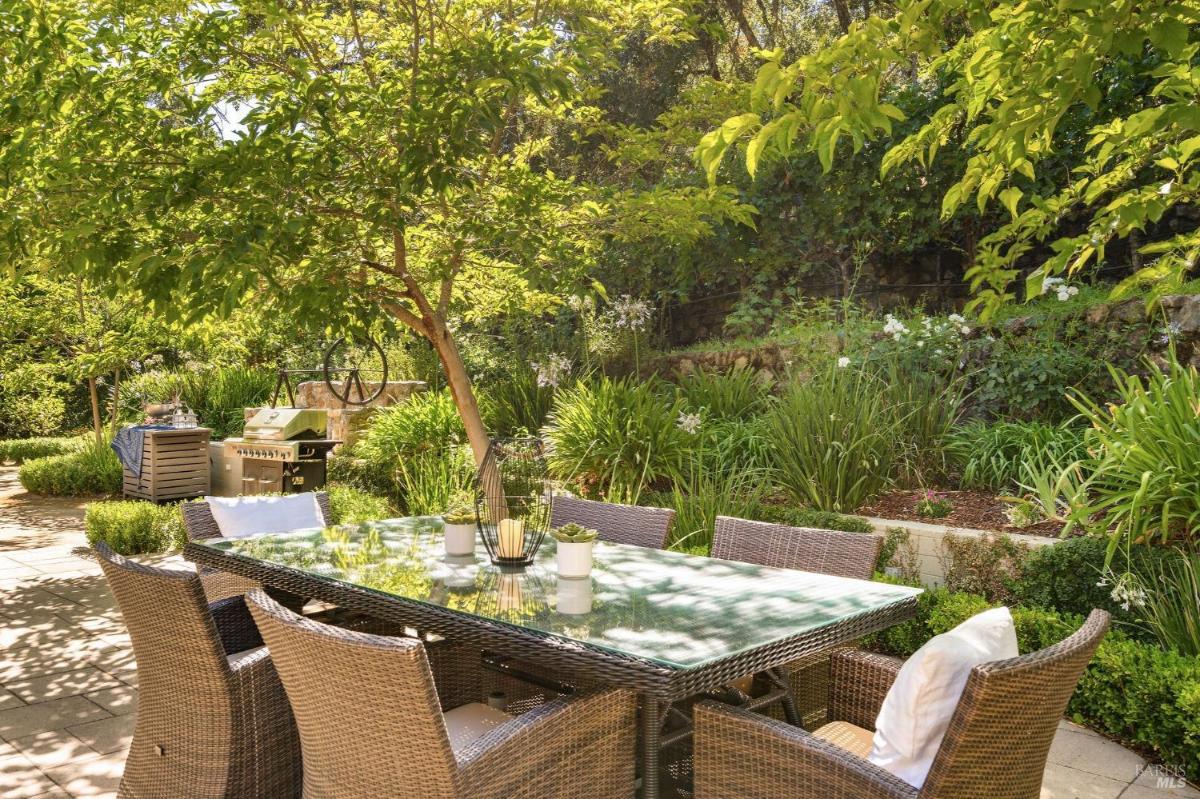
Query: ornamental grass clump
1144,458
836,439
617,437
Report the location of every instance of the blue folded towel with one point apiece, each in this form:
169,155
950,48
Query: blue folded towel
127,443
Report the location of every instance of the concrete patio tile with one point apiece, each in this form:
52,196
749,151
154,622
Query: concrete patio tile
117,662
39,661
1084,750
1063,782
48,750
118,701
106,735
57,793
8,700
56,686
98,778
18,573
21,779
57,714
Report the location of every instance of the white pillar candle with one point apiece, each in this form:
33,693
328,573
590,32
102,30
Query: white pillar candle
512,538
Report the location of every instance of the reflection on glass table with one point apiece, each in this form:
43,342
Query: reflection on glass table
672,609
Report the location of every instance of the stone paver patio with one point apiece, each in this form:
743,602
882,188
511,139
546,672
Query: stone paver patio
68,682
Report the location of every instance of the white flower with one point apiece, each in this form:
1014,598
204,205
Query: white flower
629,313
843,362
894,327
688,422
552,372
966,331
957,319
1165,188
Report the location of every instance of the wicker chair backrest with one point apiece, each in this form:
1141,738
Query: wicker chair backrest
1000,734
183,674
781,546
366,707
622,524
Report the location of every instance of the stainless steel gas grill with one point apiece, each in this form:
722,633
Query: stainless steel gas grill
282,450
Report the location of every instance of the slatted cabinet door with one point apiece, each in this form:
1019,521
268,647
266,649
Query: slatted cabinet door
175,465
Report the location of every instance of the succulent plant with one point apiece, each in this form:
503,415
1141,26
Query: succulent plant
574,534
460,509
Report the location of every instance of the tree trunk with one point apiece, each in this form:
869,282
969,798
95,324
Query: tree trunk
843,14
462,391
739,14
97,424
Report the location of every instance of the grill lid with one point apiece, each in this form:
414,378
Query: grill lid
282,424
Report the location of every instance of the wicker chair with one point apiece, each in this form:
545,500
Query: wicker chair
807,549
996,745
199,524
370,714
622,524
212,718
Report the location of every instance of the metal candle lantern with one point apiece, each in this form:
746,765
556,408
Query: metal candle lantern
512,500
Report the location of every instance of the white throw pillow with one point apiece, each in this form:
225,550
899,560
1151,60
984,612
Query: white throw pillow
917,710
238,517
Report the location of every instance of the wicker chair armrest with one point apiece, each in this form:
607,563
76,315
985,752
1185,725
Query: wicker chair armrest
234,624
582,746
743,755
859,681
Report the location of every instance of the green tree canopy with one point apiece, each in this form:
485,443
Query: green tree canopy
342,161
1015,74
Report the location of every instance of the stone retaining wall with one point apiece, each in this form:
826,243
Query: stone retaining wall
926,540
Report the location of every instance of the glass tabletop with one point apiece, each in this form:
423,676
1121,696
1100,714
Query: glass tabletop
677,610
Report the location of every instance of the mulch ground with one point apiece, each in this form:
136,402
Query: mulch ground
978,510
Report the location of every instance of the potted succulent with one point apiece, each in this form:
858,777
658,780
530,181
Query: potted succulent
574,549
460,525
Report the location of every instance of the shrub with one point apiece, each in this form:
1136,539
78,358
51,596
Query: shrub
1133,691
836,438
1066,577
1171,605
988,565
218,396
736,394
1145,473
19,450
134,527
94,469
33,400
1007,455
1146,696
425,428
807,517
704,495
617,437
349,505
517,405
429,480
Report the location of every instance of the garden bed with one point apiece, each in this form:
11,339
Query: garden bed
976,510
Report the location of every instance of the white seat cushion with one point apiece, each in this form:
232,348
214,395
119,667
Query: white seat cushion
239,517
469,723
845,735
238,657
917,710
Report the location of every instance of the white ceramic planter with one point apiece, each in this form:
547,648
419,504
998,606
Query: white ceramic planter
574,558
574,596
460,539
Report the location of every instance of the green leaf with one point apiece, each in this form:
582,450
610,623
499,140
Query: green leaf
1010,197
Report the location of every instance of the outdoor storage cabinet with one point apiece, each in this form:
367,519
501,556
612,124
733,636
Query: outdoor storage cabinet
174,466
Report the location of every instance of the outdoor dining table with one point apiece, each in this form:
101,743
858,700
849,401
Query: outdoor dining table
666,625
